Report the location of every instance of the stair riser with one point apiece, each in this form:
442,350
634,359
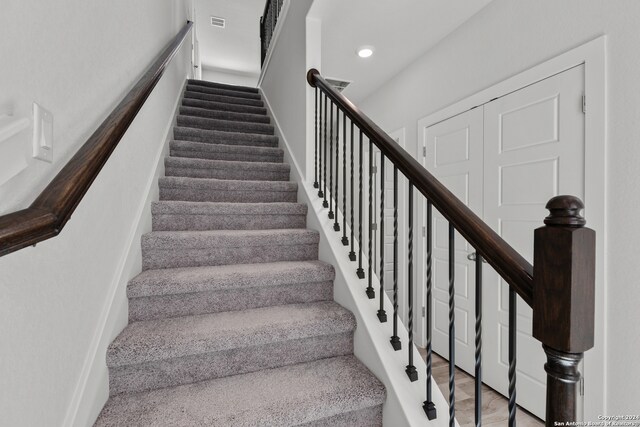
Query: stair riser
185,370
225,125
221,106
223,92
228,155
228,174
366,417
161,307
173,257
223,99
211,137
224,115
223,86
234,196
182,222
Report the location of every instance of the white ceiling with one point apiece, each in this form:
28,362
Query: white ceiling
399,30
236,48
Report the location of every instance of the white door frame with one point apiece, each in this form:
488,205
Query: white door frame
592,55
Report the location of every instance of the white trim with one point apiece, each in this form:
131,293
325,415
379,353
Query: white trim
10,126
93,357
274,39
593,55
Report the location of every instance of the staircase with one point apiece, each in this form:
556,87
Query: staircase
232,321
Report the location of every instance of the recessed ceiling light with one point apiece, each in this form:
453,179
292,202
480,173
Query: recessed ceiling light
365,51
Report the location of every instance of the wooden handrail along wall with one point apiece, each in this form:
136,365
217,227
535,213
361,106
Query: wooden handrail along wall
49,213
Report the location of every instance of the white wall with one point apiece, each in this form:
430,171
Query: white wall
504,39
63,301
229,77
284,81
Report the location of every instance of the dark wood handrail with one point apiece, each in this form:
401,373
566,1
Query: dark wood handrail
513,268
49,213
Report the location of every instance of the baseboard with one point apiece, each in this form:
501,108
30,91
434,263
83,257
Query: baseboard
92,389
371,340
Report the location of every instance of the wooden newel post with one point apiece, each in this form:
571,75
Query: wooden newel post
564,303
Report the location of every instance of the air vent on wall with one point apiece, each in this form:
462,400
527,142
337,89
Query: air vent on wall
340,85
216,21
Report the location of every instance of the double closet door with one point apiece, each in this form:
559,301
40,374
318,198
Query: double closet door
505,160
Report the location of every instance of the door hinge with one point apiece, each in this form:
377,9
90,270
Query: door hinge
584,103
424,311
424,231
424,151
374,226
374,169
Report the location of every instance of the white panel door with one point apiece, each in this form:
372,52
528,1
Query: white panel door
454,156
533,150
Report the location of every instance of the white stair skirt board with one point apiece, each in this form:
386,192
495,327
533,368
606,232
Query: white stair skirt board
403,406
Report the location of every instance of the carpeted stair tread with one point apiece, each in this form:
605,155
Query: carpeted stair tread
225,125
224,277
224,137
221,106
221,190
171,249
224,99
225,169
223,92
177,215
291,395
222,86
153,340
204,150
224,115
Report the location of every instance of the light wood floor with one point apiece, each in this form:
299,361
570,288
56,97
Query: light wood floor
494,406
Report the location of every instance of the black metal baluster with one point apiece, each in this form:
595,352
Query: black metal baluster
315,174
322,118
370,292
360,271
452,329
395,339
345,239
330,214
512,357
478,355
352,254
324,202
382,314
411,371
336,224
428,406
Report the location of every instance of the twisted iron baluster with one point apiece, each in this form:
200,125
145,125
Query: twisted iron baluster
370,292
452,329
345,239
324,202
478,354
336,224
512,357
382,314
395,339
330,214
315,181
360,271
352,254
411,371
321,145
428,406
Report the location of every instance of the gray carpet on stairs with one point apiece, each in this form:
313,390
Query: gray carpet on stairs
232,320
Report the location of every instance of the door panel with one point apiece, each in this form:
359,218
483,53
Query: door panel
533,150
454,156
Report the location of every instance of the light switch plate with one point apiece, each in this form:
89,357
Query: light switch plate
42,133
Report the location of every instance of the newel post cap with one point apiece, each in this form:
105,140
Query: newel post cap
564,211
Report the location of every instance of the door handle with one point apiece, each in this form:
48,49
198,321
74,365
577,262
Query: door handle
473,256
